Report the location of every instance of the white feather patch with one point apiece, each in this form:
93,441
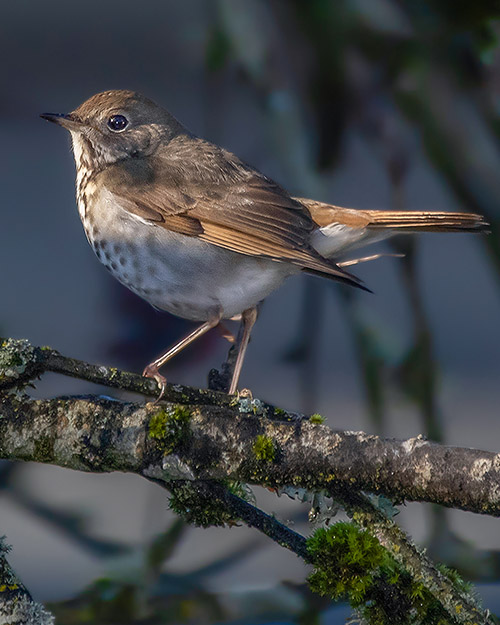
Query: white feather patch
336,239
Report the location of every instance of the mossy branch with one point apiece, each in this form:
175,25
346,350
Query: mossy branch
365,565
200,439
243,439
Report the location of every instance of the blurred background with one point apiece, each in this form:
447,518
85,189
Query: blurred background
362,103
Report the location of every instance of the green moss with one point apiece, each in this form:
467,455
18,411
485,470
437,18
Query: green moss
170,426
455,578
199,510
264,448
236,488
317,419
350,563
240,489
282,415
44,450
158,425
346,559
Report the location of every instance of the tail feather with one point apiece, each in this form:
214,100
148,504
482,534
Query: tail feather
426,221
402,221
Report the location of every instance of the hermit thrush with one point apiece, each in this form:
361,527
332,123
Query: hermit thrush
195,231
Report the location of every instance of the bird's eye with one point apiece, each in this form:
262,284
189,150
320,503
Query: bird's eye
117,123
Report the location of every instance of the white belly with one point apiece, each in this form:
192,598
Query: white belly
173,272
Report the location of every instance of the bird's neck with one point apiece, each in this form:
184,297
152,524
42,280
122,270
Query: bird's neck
86,169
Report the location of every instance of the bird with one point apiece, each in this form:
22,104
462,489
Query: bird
195,231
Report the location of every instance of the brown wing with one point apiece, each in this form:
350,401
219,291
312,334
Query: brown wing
222,202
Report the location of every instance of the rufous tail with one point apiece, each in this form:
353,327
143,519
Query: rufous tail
426,221
403,221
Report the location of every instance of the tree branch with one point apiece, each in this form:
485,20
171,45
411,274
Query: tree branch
224,442
202,437
393,538
204,494
21,363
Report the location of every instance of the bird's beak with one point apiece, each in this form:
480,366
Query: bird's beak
66,120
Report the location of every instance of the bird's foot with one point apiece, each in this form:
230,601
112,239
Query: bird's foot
152,371
227,334
245,393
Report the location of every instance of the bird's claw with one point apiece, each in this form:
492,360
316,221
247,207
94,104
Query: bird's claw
152,372
245,393
225,333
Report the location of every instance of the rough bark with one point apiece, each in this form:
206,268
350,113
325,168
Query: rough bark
198,438
222,441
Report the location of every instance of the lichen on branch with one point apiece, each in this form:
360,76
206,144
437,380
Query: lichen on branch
197,443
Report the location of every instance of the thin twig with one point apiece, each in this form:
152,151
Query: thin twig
44,359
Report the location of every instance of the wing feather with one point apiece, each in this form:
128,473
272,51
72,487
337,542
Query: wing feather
241,210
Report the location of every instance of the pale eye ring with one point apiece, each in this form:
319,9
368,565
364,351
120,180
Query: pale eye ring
117,123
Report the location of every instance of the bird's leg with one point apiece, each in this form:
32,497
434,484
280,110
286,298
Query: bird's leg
152,370
249,317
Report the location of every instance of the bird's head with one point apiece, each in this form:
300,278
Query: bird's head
116,125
